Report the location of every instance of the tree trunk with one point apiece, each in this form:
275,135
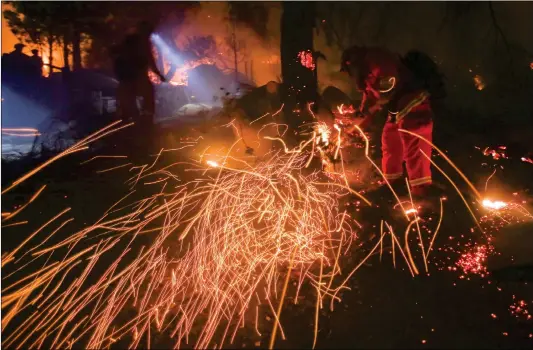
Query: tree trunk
234,39
299,82
50,54
66,53
76,50
160,62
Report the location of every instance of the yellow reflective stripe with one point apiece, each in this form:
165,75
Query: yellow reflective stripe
415,102
393,176
391,81
420,181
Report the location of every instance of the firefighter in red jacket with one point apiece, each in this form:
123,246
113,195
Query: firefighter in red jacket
401,85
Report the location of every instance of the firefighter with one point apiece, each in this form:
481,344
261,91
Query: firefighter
404,86
132,60
36,64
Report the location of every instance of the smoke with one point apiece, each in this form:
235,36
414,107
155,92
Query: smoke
258,58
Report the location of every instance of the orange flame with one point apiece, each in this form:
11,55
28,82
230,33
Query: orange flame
182,73
479,82
306,59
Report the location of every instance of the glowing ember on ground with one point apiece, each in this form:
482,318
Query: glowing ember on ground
342,109
519,309
473,262
323,133
479,82
495,153
307,60
495,205
411,211
527,160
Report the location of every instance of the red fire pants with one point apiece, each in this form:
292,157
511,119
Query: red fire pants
398,147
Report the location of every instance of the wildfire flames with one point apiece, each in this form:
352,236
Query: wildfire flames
342,109
182,73
307,60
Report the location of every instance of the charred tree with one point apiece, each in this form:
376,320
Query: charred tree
299,81
66,53
76,50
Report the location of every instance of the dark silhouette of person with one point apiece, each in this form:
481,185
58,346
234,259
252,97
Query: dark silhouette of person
132,60
36,64
16,62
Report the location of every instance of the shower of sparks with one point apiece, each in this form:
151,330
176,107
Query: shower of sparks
243,229
221,247
500,213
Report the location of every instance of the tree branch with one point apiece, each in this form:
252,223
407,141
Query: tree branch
499,29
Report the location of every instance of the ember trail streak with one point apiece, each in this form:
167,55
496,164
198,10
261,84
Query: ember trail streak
243,228
219,246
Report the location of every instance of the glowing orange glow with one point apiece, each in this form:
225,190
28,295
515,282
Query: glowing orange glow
307,60
212,164
496,153
323,133
182,72
346,110
479,82
411,211
495,205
